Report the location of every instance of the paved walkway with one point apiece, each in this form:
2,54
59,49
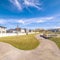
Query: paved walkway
47,50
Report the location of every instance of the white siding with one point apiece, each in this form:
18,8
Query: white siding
22,30
2,30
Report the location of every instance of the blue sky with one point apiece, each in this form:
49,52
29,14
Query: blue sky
30,14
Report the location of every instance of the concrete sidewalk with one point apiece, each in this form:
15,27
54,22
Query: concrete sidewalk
47,50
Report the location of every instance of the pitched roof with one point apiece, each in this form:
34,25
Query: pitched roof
2,27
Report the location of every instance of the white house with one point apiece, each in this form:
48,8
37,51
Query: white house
2,29
16,30
20,30
23,30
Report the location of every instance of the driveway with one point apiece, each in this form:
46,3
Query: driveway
47,50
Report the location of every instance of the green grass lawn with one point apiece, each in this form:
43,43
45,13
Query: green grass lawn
25,42
56,40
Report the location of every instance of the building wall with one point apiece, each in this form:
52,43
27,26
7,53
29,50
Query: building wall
2,30
22,30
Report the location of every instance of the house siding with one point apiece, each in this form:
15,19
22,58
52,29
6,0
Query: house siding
2,30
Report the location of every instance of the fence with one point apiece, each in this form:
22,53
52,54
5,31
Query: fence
13,34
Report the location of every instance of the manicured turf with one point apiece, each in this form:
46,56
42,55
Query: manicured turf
56,40
26,42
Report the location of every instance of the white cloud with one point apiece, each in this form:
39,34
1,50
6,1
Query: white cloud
26,21
20,4
56,26
21,21
47,18
48,22
39,21
33,3
2,21
35,20
16,3
7,21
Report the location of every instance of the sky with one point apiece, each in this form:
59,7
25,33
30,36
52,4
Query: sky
30,14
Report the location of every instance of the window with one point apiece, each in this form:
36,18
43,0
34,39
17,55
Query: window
3,31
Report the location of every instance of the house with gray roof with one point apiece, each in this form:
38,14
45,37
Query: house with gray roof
2,29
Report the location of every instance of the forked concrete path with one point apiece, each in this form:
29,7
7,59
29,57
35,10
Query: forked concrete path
47,50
